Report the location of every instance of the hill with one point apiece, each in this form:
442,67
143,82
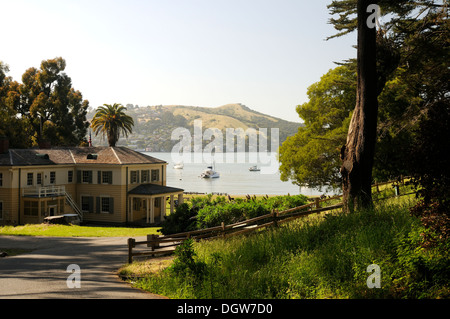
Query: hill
155,124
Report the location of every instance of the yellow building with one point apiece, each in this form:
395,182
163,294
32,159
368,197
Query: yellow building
99,184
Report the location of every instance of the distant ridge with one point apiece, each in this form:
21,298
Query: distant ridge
155,124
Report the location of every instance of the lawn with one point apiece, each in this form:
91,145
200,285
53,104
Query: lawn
75,231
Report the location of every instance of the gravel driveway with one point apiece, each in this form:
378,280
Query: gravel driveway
42,273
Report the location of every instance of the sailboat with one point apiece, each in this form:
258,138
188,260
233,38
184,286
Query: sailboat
178,166
210,173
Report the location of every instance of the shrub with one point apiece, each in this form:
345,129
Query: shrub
181,220
240,209
204,212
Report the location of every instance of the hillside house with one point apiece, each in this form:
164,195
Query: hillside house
113,185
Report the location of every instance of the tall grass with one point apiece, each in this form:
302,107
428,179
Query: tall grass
317,257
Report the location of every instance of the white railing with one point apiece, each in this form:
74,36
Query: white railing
74,205
53,191
47,191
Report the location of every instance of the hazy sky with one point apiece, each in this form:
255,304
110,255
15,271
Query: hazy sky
261,53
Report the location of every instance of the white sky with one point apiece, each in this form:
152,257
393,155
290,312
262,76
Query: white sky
261,53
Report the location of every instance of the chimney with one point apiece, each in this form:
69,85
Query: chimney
4,144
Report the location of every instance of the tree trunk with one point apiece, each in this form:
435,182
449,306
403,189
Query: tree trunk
358,153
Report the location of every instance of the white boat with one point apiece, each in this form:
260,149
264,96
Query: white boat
254,169
178,166
210,173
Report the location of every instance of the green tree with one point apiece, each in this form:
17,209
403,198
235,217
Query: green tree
11,126
55,111
311,157
431,170
111,121
393,45
406,71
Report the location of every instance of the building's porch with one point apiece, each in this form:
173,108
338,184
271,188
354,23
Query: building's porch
149,203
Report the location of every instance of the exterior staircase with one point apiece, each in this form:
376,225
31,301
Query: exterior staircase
74,205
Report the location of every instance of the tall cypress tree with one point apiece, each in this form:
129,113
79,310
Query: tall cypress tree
397,46
358,153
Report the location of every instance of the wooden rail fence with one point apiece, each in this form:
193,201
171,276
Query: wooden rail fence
157,245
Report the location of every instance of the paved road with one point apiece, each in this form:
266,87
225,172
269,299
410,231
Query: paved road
42,273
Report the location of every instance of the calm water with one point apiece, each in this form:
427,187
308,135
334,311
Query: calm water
235,178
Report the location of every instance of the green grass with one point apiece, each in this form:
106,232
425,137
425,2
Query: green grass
75,231
317,257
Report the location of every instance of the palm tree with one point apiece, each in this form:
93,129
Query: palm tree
111,120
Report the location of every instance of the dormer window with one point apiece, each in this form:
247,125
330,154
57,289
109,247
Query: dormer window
92,156
43,156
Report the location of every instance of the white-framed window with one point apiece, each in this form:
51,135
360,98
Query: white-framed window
105,177
155,175
52,177
105,205
69,176
86,177
30,177
145,176
39,179
134,177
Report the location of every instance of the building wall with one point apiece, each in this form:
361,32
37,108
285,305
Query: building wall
15,180
9,198
116,192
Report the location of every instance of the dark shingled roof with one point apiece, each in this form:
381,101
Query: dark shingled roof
152,189
76,155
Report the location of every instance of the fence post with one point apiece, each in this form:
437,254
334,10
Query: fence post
152,238
223,230
317,202
397,190
131,245
275,218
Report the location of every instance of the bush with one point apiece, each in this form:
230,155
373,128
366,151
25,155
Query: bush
185,263
242,209
204,212
181,220
431,172
314,258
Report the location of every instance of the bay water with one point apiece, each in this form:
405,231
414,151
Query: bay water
235,177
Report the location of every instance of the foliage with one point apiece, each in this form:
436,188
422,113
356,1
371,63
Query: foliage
205,212
43,108
111,121
429,161
312,156
185,263
181,220
155,124
424,270
316,258
242,209
411,47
